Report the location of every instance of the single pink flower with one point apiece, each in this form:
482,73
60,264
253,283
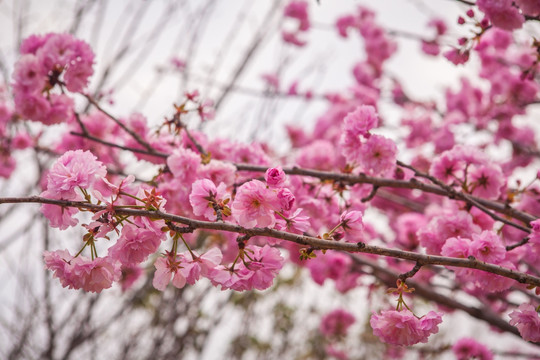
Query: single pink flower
457,56
298,10
351,222
487,247
486,181
81,272
95,275
201,265
378,155
446,167
204,194
254,205
29,75
168,267
184,164
275,177
286,199
336,323
403,328
360,121
468,348
135,244
295,222
456,247
72,170
344,23
527,321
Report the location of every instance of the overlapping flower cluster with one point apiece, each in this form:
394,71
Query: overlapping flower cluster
199,180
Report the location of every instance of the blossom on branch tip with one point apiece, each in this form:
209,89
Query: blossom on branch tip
81,272
403,327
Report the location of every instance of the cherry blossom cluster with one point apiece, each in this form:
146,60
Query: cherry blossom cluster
473,212
50,61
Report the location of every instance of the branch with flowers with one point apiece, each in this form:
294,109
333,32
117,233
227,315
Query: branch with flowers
235,213
312,243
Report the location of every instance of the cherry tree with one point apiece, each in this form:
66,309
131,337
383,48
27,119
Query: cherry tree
428,211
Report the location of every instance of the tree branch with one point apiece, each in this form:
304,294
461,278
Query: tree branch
310,241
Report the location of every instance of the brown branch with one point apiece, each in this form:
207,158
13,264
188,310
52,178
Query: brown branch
439,189
453,193
121,124
127,148
310,241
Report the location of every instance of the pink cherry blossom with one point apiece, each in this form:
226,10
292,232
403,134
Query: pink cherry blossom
502,13
332,265
403,328
72,170
200,265
527,321
254,205
218,171
29,74
295,222
361,120
130,274
257,271
59,217
59,262
446,167
298,10
95,275
184,164
336,323
204,194
529,7
486,181
406,227
135,244
82,273
444,226
275,177
468,348
264,266
457,56
457,247
378,155
168,267
343,24
351,222
487,247
286,199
